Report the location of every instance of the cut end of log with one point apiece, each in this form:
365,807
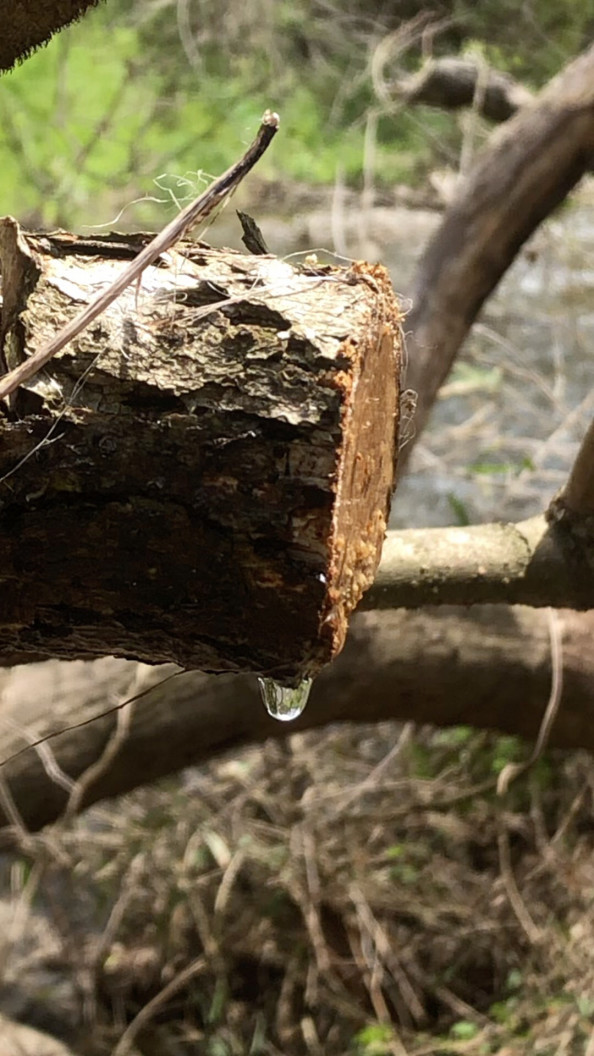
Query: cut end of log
218,489
367,462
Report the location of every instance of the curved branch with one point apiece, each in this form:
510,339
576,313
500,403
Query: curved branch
529,167
489,667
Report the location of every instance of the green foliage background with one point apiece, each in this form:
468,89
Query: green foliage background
138,89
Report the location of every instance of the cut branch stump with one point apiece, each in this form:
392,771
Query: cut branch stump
204,474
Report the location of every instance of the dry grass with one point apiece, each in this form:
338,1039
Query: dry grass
349,892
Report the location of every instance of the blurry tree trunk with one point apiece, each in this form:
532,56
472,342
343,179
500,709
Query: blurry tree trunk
528,168
451,83
489,667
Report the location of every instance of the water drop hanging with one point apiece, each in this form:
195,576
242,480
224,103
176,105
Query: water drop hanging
283,702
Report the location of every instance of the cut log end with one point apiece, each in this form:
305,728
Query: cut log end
365,477
218,489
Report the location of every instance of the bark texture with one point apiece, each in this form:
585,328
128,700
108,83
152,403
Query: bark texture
204,474
489,667
27,25
530,165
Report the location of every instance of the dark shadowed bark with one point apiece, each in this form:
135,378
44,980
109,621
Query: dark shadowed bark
528,168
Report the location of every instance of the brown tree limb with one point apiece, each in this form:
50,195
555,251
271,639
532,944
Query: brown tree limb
26,26
528,168
195,213
534,562
571,513
489,667
452,83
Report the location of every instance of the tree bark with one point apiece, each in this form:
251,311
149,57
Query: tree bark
204,475
489,667
26,26
529,166
546,560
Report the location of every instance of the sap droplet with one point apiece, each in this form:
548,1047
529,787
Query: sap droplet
284,702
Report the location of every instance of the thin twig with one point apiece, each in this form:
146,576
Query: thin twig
378,770
386,955
156,1003
87,722
513,770
46,756
194,213
99,767
532,931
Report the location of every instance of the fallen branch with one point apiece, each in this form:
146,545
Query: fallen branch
452,83
488,667
195,213
528,168
204,476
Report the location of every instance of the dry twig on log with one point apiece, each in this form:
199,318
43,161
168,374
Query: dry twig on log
452,83
529,166
195,213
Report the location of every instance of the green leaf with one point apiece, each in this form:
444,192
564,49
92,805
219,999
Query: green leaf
464,1030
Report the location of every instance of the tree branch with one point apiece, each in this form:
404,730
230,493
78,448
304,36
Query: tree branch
452,83
578,494
530,165
489,667
533,562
